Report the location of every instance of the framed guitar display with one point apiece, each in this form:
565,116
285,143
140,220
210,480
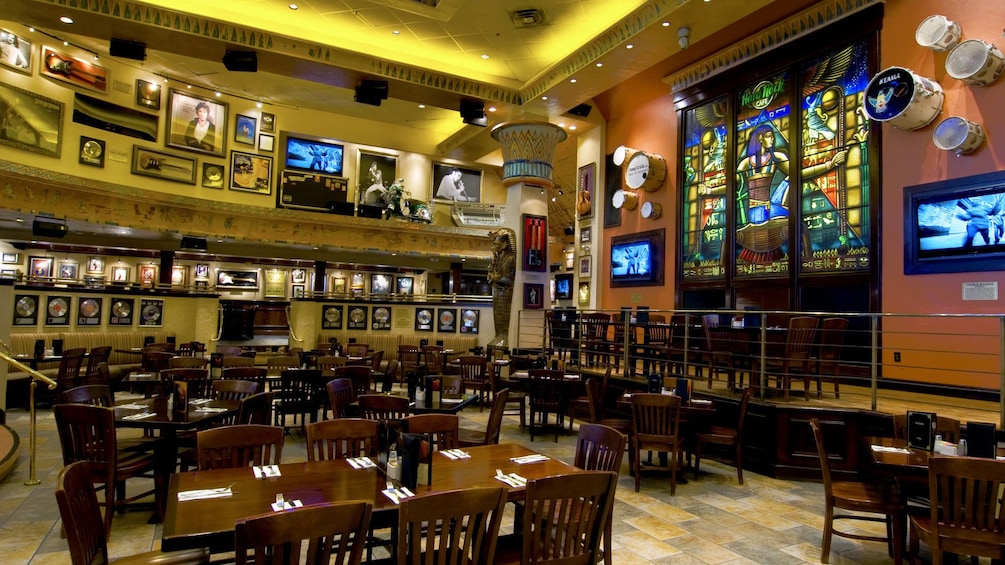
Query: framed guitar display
535,243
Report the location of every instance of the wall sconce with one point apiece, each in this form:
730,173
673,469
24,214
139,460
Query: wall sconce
684,37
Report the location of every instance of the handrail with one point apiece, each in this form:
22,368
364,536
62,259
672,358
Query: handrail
33,428
219,322
290,326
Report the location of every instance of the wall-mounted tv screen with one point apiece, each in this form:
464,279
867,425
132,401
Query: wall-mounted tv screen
955,225
637,259
308,153
563,287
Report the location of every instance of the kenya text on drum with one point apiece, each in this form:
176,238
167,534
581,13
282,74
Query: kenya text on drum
938,33
645,171
975,62
957,134
901,97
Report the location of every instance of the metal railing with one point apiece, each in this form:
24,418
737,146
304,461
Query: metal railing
36,377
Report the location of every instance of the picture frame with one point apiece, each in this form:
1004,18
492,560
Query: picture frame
121,312
154,163
453,183
148,94
9,274
179,275
584,293
244,279
15,52
183,124
151,313
584,193
404,285
338,285
40,267
26,309
92,152
73,70
533,296
146,275
275,283
331,317
380,284
357,280
201,271
585,264
266,142
68,271
244,129
585,234
297,291
250,173
9,258
95,265
268,122
120,275
376,173
57,310
298,276
535,243
46,118
213,175
89,311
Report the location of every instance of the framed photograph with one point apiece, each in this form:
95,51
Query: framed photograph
533,296
404,285
237,278
298,291
250,173
57,311
15,52
212,175
92,152
40,130
76,71
146,275
266,142
338,285
535,243
584,293
95,265
585,262
376,173
201,271
244,129
298,276
275,283
151,313
40,267
584,195
120,275
196,123
179,275
10,274
165,166
456,184
357,280
268,122
380,284
68,271
585,234
148,94
11,258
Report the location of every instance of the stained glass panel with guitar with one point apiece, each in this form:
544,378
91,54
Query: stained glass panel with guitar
535,243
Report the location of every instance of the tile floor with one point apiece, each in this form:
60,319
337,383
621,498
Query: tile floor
710,521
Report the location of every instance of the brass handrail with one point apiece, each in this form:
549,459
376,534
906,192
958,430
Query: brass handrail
35,377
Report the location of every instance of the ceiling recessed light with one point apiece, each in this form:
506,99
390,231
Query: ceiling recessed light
485,55
218,94
666,24
600,65
66,19
396,32
492,108
258,104
630,46
31,30
561,124
572,80
66,43
572,127
421,106
165,79
544,98
294,6
19,220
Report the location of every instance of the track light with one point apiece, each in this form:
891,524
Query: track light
473,113
371,92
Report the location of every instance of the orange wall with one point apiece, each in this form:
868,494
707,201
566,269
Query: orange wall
640,114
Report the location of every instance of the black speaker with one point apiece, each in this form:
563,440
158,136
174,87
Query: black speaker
371,92
241,61
48,227
193,243
582,110
127,49
342,208
569,230
473,113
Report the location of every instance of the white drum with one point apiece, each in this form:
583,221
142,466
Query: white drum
622,154
651,210
938,33
975,62
901,97
645,171
625,199
957,134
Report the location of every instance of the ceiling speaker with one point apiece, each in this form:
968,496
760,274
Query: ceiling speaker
241,61
193,243
49,227
473,113
569,230
127,49
582,110
371,92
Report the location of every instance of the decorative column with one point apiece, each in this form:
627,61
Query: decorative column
528,149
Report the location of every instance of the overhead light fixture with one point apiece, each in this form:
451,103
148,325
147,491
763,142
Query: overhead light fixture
241,61
371,92
473,113
66,19
684,37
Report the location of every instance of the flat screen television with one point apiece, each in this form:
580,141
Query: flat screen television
309,153
955,226
638,259
563,287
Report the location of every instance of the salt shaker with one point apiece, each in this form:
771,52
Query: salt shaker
961,449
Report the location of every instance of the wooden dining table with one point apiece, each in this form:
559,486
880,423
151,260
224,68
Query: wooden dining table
210,522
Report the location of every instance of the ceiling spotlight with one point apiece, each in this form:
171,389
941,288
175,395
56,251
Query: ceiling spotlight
66,43
572,80
473,113
630,46
684,37
66,19
572,127
492,108
544,98
395,32
258,104
294,6
422,106
666,24
485,55
554,198
600,65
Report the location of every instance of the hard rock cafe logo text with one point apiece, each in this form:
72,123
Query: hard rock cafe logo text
762,93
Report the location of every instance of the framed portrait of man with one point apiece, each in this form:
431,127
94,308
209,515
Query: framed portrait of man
196,123
452,183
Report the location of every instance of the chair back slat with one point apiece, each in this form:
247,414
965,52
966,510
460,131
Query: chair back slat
229,447
335,532
342,438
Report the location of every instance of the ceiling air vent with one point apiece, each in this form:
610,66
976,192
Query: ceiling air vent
527,18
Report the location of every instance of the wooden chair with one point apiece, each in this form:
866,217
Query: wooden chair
655,342
948,428
342,438
329,362
340,396
357,350
432,359
161,346
796,361
581,405
601,448
598,412
232,389
197,380
656,427
256,375
459,527
515,397
276,365
228,351
358,374
594,337
871,498
718,353
547,396
87,433
383,407
474,376
827,364
231,362
375,361
241,445
965,496
411,369
69,371
390,374
154,361
731,438
300,392
442,427
565,516
256,409
188,363
85,536
95,357
335,532
95,395
490,436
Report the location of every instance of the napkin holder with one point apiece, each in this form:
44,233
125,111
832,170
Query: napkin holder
179,398
921,430
982,440
654,383
416,463
57,347
39,348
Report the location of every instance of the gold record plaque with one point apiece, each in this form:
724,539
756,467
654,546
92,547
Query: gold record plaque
357,317
25,310
382,318
331,317
57,312
424,320
469,321
89,312
446,320
121,312
151,313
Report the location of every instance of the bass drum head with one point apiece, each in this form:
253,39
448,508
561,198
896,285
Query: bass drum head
622,154
938,33
624,199
645,171
901,97
975,62
651,210
957,134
